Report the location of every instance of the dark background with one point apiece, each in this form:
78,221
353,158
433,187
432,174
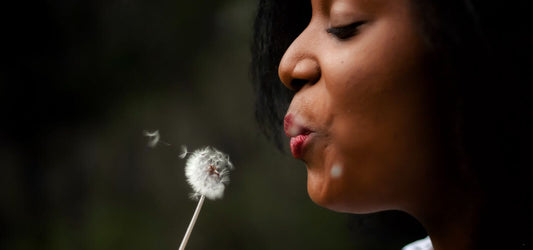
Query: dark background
81,80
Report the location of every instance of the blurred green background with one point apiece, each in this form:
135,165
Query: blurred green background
80,82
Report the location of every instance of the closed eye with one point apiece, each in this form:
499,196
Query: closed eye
345,32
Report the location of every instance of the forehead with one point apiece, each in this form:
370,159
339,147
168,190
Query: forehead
327,6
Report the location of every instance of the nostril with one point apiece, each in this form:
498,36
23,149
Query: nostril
297,84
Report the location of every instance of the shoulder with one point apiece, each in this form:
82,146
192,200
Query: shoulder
423,244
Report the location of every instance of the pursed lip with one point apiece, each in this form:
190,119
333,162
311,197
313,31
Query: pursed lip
299,135
298,144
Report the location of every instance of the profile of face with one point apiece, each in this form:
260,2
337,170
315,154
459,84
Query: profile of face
362,118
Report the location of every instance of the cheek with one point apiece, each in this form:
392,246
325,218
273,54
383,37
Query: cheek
380,130
388,55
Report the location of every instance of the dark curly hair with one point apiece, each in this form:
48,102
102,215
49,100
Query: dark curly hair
482,53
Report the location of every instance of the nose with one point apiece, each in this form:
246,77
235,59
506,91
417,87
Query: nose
299,65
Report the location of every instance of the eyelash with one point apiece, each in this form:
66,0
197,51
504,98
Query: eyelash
345,32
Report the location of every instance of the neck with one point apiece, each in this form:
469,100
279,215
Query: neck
454,228
451,218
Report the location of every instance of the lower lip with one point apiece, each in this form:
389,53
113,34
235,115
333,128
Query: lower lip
298,145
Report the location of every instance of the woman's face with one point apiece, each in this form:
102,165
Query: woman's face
362,118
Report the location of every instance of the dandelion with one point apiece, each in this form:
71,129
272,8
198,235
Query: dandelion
207,171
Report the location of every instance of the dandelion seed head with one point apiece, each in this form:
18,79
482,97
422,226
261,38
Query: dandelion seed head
336,171
153,137
207,171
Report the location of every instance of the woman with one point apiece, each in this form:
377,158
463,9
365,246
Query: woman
412,105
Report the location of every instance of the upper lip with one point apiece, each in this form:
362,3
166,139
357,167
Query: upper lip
293,128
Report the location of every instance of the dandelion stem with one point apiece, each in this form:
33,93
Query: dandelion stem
191,225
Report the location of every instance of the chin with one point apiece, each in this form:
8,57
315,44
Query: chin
333,195
326,193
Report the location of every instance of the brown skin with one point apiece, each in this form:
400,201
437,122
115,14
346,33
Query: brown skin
370,106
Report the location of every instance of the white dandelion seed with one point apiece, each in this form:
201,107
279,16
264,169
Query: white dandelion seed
153,137
336,171
184,152
207,171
